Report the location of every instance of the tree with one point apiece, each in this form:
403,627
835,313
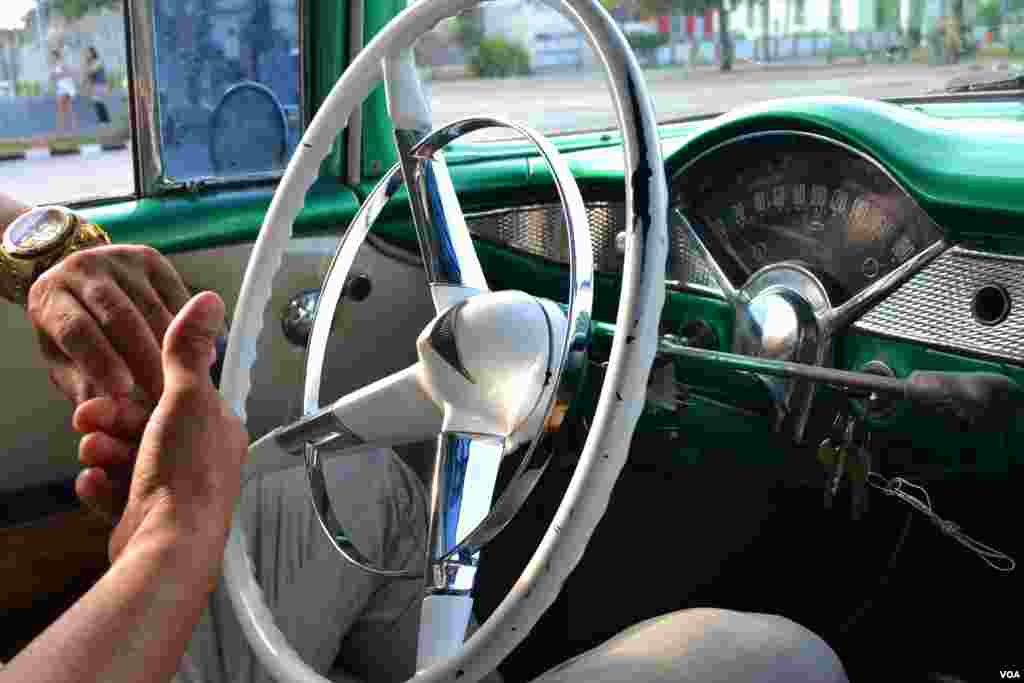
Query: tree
887,14
990,15
916,20
76,9
686,7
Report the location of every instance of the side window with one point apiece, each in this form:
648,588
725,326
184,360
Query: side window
64,120
228,82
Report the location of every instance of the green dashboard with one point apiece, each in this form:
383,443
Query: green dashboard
958,161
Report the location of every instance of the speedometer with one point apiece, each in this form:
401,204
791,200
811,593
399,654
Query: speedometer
787,196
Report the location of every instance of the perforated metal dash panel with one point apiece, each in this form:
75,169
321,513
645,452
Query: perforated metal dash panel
540,230
935,306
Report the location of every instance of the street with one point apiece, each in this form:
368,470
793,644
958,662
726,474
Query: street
579,102
550,103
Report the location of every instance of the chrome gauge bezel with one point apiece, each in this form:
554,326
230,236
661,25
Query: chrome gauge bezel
858,300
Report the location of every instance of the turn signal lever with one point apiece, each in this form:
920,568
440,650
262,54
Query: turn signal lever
973,397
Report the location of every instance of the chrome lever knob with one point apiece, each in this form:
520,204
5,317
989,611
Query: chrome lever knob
300,311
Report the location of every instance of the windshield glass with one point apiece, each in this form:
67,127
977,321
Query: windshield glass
521,59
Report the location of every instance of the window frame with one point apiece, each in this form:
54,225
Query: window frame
150,175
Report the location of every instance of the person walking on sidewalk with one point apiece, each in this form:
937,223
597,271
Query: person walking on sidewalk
94,85
64,81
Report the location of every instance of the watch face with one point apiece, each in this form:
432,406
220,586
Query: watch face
37,231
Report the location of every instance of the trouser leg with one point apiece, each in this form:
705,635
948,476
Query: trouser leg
706,646
316,596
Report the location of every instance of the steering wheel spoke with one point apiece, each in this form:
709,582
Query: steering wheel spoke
465,474
453,269
353,423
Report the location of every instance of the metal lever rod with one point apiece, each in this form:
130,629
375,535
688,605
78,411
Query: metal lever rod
892,386
976,397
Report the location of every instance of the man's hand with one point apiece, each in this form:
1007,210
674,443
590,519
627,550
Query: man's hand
183,475
101,315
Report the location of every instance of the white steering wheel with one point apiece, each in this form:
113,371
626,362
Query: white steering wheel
457,386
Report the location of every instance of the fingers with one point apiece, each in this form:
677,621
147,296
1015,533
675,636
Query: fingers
150,304
189,348
104,485
102,450
62,319
125,328
121,418
104,313
165,280
104,496
65,375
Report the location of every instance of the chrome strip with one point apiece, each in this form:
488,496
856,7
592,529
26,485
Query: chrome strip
146,110
329,521
334,283
321,429
445,244
452,572
354,151
847,312
935,306
730,292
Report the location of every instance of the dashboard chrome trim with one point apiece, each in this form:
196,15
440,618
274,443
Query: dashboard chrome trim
934,306
877,291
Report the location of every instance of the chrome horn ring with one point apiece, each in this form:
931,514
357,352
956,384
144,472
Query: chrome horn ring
567,372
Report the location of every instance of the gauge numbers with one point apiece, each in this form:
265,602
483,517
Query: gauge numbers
802,198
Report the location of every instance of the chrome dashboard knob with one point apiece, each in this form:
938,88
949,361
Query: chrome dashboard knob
300,311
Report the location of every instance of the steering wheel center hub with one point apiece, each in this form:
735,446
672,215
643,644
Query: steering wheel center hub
779,314
489,361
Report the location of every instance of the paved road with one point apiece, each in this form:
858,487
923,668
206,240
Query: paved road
66,178
568,101
548,103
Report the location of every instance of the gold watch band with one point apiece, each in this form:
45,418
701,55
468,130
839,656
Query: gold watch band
17,275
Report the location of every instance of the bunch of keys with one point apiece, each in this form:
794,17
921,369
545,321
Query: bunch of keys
845,456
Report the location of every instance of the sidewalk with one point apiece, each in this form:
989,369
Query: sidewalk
85,140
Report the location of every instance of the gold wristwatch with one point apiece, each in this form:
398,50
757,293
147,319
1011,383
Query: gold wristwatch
36,240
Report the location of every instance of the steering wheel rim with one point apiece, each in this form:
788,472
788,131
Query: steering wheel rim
622,396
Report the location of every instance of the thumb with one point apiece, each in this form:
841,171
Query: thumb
189,349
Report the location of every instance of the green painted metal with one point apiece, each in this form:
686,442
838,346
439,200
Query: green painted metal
947,164
973,110
182,222
325,29
378,147
944,447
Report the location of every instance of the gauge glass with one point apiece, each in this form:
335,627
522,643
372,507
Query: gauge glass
775,197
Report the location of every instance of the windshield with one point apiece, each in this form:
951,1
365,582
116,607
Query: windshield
520,59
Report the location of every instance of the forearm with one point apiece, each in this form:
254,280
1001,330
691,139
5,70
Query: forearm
133,625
